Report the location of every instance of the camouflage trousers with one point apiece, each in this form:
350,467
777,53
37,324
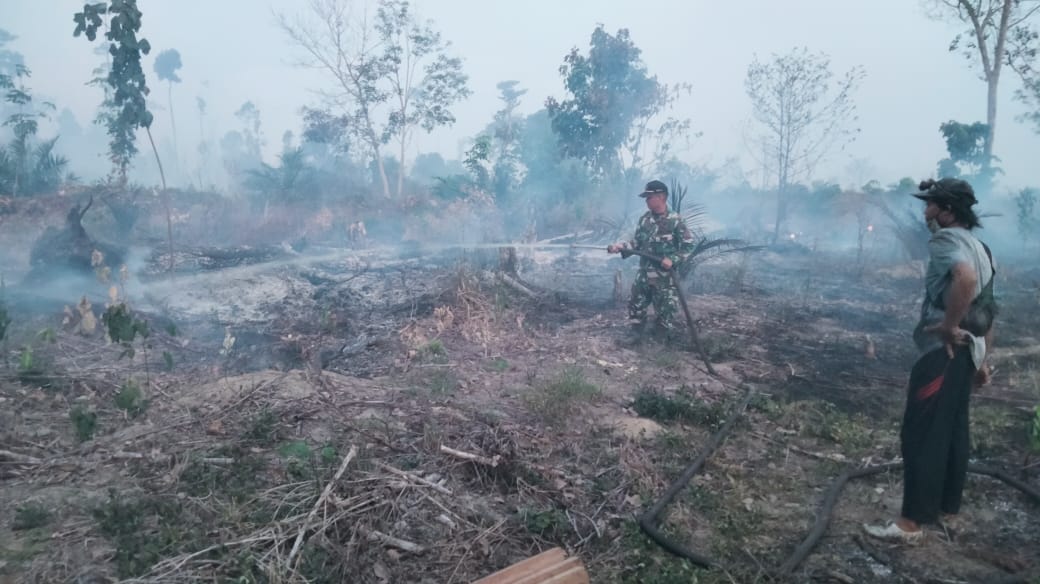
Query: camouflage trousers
651,287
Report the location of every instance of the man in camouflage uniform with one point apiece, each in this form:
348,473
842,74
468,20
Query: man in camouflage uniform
664,234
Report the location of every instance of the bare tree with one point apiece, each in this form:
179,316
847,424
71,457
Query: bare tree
343,46
998,33
423,79
800,117
392,75
655,136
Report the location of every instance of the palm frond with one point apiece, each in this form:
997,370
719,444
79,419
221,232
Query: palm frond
47,168
610,228
707,244
711,248
7,171
694,219
676,196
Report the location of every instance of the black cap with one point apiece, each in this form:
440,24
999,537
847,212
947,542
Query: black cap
653,187
953,191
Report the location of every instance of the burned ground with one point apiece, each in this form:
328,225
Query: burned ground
479,417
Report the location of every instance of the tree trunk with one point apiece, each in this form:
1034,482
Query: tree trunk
382,174
993,79
400,166
991,119
373,142
173,125
165,198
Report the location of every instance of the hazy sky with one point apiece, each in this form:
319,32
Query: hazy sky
233,51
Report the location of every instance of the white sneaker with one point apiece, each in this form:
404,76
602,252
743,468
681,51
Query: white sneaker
893,532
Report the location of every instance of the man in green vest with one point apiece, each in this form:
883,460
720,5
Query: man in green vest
953,336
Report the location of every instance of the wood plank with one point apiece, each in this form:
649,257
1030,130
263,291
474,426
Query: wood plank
548,572
576,575
523,568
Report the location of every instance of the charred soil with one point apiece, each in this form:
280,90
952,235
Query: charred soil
358,416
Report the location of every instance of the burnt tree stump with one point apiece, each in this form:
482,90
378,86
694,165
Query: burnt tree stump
69,250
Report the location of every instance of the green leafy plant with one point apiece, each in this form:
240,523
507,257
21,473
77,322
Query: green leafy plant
296,449
25,360
84,422
1034,431
328,454
30,516
123,329
557,398
32,366
5,316
263,428
129,522
683,406
131,399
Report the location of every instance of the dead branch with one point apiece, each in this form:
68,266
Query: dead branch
87,208
413,477
442,518
317,504
837,457
18,458
391,541
517,286
492,462
840,577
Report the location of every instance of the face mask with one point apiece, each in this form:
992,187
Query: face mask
933,225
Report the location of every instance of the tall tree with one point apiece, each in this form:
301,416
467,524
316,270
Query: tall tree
166,65
9,59
609,89
25,170
348,50
506,130
9,62
966,146
203,148
242,149
802,114
249,115
129,110
126,78
999,33
392,75
424,80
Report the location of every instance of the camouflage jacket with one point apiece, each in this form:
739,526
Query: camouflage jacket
665,236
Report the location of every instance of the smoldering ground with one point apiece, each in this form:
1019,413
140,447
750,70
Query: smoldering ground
265,364
343,356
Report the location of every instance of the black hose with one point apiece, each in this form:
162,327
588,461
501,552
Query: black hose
823,516
648,520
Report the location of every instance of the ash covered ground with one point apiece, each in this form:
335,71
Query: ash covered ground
482,406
